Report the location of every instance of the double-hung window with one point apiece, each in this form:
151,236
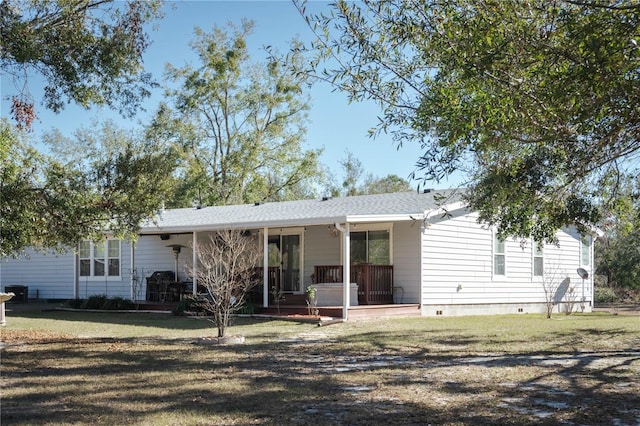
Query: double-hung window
538,259
99,259
499,256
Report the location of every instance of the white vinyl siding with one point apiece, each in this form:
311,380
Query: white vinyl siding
458,264
48,275
407,262
322,247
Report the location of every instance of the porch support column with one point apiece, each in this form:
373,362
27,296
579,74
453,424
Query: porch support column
346,269
194,262
132,266
265,267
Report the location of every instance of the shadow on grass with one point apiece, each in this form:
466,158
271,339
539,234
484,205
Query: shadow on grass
300,382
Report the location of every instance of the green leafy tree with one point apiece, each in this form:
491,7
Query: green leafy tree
356,182
617,252
384,185
353,171
238,124
47,203
535,101
87,52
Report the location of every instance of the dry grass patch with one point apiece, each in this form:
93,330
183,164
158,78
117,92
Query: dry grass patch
460,371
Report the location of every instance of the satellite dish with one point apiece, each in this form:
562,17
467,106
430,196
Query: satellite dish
583,273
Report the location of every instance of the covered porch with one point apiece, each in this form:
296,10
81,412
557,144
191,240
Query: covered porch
354,261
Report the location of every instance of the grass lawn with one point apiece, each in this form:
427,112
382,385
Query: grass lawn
83,368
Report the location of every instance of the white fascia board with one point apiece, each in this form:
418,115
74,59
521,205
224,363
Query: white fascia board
241,225
443,209
384,218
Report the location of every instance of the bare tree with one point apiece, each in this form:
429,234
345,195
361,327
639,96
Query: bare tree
226,270
556,286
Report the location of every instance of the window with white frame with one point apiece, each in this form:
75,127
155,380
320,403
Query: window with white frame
585,251
499,256
99,259
538,259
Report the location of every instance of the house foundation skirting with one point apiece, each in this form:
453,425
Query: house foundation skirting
434,310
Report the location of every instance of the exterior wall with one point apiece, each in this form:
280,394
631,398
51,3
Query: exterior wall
110,286
457,270
152,254
48,276
406,262
51,276
321,247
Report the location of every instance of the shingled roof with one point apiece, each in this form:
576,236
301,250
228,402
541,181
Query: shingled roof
357,209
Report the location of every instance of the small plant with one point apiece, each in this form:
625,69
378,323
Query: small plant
312,302
605,295
95,302
73,303
188,305
118,303
278,296
247,309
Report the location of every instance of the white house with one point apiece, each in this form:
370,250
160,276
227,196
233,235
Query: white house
401,248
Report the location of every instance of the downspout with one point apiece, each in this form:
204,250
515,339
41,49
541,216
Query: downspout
194,262
265,268
346,269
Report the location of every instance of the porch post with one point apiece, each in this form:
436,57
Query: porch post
265,268
194,261
346,272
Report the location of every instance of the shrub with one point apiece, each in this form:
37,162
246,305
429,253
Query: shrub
118,303
74,303
605,295
95,302
188,304
247,308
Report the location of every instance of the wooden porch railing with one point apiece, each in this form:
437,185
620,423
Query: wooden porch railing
375,282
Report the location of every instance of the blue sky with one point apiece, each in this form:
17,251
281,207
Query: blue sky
334,125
